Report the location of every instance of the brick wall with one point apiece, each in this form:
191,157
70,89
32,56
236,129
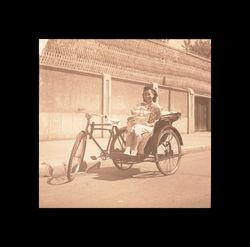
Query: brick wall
131,59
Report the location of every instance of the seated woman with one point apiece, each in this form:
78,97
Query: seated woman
137,130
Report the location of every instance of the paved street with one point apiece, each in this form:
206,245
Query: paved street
140,187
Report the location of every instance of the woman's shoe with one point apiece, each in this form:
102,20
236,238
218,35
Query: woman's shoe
127,151
133,153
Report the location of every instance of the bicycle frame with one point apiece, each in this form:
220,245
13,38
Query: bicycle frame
113,131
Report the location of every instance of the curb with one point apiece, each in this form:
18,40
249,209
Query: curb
187,150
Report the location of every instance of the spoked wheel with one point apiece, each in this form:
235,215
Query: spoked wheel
168,153
117,148
77,155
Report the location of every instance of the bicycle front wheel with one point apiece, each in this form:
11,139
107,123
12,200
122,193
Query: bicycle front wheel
77,155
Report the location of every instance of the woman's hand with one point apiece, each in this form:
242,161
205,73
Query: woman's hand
149,124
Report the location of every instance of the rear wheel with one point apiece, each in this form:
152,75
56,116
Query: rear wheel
168,153
77,155
117,148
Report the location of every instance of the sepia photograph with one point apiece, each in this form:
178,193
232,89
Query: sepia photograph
125,123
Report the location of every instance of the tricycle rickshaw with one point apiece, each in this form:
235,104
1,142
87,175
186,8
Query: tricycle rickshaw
163,146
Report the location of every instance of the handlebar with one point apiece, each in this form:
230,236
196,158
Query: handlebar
89,115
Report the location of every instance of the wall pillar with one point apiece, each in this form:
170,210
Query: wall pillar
209,115
106,97
190,105
106,94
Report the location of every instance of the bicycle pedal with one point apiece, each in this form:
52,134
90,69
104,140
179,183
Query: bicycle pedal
93,157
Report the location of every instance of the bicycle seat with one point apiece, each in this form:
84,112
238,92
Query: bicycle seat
113,121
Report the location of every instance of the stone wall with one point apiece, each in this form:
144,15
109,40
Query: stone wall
71,77
145,60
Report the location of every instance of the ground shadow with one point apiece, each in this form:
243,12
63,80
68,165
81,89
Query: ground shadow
59,180
148,174
113,174
106,173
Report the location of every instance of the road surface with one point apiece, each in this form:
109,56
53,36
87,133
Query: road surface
142,186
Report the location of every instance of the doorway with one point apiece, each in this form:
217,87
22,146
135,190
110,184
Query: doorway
202,114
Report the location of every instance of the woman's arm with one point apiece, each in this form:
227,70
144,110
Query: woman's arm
157,115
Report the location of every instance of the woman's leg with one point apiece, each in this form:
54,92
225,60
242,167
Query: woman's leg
129,142
134,146
138,131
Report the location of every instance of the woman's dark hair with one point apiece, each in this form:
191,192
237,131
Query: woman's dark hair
152,90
